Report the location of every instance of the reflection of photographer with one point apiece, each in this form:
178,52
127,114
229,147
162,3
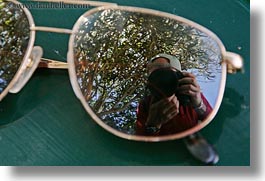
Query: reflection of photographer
175,102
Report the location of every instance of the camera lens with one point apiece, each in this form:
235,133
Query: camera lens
162,83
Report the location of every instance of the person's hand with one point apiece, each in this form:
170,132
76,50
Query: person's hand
190,87
162,111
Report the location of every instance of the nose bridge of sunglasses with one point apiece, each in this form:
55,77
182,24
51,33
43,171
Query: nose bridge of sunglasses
29,68
52,64
234,62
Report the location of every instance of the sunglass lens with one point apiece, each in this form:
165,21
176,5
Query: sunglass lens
112,48
14,38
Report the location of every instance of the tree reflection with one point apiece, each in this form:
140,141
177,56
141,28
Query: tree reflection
112,48
14,37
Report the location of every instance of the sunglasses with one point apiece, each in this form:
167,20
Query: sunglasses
109,48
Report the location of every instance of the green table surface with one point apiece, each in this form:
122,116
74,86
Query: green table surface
45,124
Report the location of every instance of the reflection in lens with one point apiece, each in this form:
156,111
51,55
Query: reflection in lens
14,37
112,48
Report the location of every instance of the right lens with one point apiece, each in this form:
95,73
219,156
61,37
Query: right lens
110,49
14,39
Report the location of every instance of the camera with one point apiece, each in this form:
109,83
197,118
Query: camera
164,82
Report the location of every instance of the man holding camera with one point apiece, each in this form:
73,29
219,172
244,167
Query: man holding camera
175,102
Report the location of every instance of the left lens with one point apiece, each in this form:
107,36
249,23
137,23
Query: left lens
14,39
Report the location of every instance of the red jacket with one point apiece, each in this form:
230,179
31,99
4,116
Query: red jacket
187,118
